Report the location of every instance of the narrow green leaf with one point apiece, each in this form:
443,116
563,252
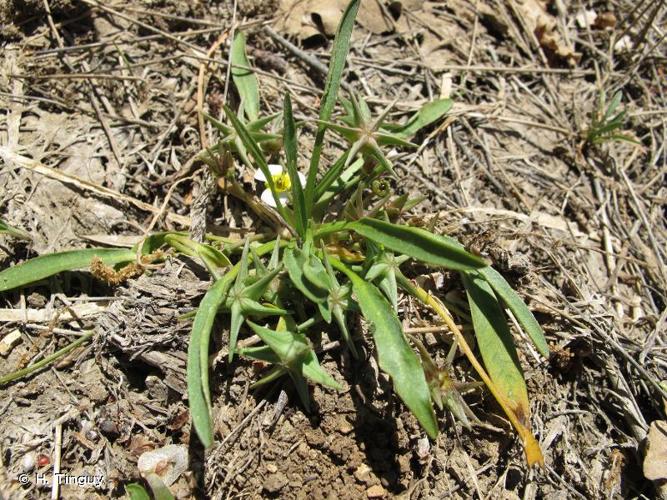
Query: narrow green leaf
314,372
332,174
257,289
615,101
155,241
256,152
260,353
418,244
296,354
385,139
514,303
197,371
48,265
211,257
384,266
237,318
254,308
197,376
12,231
496,345
325,310
339,316
388,285
298,200
159,489
315,272
260,123
222,127
274,374
395,356
295,260
244,78
339,181
260,268
44,362
338,58
623,137
136,492
429,113
609,127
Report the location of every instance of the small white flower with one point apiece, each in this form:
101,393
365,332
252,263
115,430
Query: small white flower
282,183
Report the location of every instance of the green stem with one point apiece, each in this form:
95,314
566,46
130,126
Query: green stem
46,361
308,323
330,228
237,245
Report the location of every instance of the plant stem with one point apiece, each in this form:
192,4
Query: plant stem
329,228
308,323
46,361
531,446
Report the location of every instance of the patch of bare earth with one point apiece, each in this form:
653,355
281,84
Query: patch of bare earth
98,121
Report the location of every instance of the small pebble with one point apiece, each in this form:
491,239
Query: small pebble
88,430
362,474
376,491
109,429
423,448
345,427
28,462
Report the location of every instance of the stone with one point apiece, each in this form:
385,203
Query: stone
362,474
376,491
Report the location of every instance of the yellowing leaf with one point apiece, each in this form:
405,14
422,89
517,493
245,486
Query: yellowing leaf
496,345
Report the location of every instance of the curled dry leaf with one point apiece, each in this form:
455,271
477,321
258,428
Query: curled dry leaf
543,25
311,18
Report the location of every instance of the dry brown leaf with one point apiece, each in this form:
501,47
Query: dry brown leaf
326,15
294,19
543,26
372,17
440,37
304,19
606,20
655,460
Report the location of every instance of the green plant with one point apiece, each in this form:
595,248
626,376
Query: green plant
607,123
341,254
12,231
